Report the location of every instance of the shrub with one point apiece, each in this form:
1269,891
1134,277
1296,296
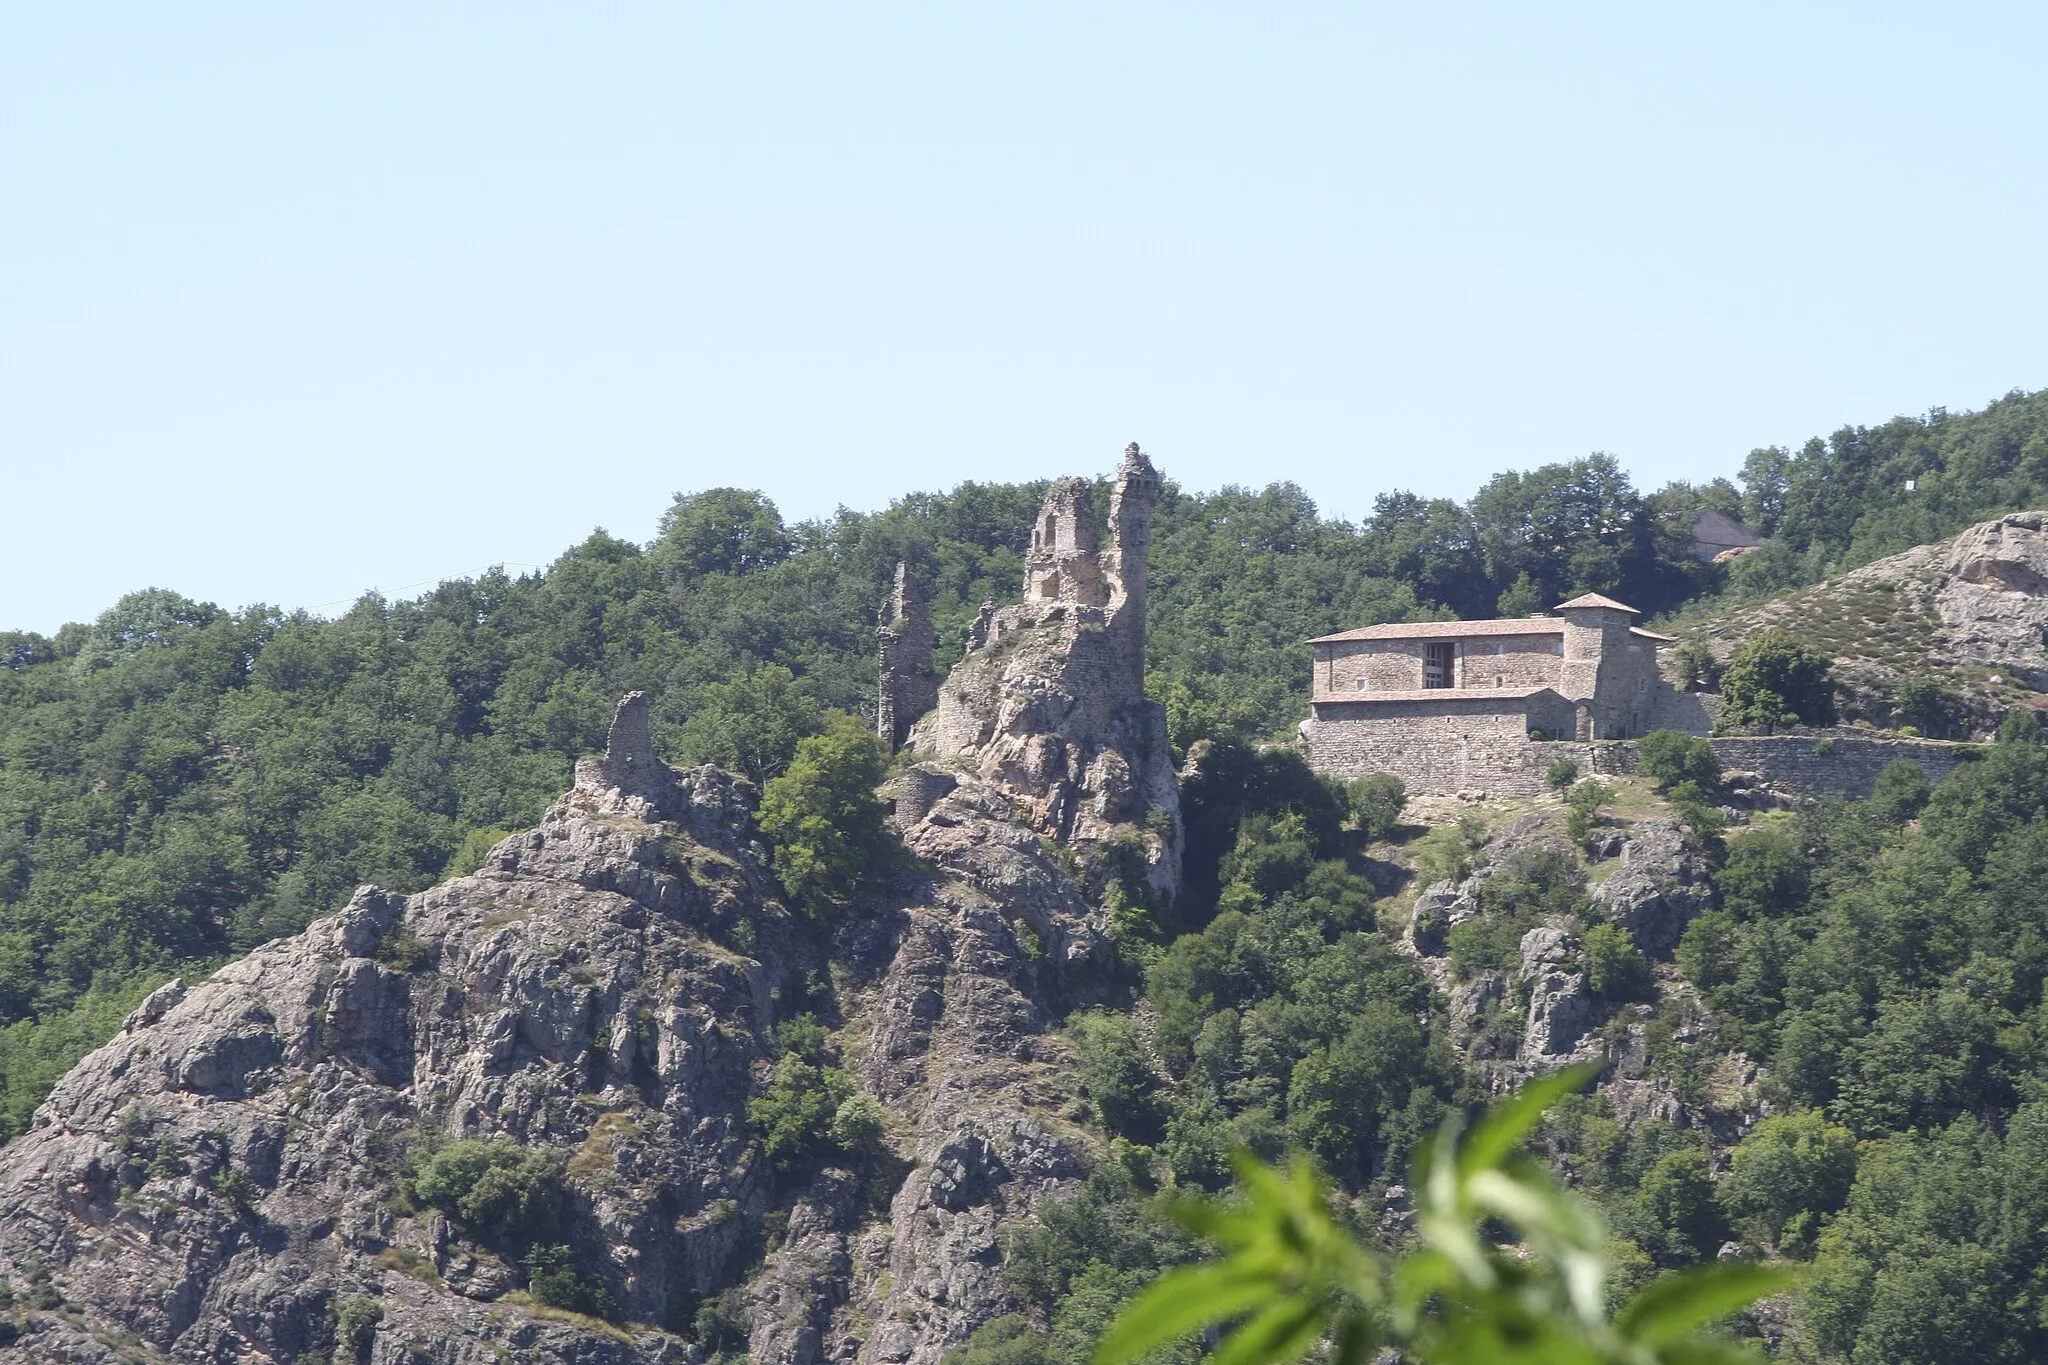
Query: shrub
1696,811
399,950
469,855
1773,680
1375,802
1695,665
822,816
1614,968
355,1330
1669,757
794,1115
1562,774
1582,806
234,1185
491,1185
1481,944
722,1322
552,1280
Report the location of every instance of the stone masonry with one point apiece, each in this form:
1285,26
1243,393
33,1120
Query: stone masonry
1453,706
1049,704
909,682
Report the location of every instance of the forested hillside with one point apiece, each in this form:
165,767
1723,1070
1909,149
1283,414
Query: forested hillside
180,782
1867,492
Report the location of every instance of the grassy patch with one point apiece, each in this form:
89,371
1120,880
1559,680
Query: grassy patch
406,1261
539,1310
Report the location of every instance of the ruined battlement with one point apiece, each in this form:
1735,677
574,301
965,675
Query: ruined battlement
1049,702
905,641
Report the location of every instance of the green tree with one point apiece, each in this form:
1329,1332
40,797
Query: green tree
492,1185
1375,801
1114,1076
722,531
821,816
1790,1172
1614,969
1925,702
753,724
1669,757
1290,1276
1773,680
1901,791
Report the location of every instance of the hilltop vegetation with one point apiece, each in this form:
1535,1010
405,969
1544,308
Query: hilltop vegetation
1867,492
180,782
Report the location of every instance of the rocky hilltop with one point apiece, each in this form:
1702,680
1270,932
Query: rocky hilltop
220,1179
591,1021
1049,703
1972,609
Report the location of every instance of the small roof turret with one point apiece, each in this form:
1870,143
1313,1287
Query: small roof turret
1594,601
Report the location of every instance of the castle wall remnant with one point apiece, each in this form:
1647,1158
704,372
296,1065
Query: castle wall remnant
909,682
1049,704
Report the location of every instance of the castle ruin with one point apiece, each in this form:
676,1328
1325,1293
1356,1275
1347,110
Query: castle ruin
1049,703
909,682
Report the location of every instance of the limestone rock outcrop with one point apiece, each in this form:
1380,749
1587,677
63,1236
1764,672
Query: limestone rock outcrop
1972,609
1049,706
1661,886
1561,1004
214,1183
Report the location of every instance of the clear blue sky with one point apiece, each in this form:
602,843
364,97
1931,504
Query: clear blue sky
302,300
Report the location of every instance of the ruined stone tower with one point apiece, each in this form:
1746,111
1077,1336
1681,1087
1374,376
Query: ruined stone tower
909,682
1130,525
1050,701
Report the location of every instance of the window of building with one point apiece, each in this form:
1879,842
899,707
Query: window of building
1436,665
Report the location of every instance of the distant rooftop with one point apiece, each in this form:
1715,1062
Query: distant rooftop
1448,630
1510,625
1594,599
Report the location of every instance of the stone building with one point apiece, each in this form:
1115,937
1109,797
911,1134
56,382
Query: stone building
1462,705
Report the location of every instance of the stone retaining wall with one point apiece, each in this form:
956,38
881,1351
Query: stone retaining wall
1851,765
1434,760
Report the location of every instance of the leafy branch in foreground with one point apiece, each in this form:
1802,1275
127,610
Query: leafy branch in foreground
1290,1277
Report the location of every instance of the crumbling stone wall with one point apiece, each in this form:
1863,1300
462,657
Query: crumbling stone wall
909,681
1447,754
1049,703
1843,762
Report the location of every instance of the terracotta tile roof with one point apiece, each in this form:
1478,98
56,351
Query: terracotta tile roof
1642,634
1447,630
1436,694
1594,599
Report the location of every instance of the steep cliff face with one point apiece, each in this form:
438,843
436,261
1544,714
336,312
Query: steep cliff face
1049,704
221,1179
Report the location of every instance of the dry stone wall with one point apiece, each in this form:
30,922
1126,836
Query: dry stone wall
1438,750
